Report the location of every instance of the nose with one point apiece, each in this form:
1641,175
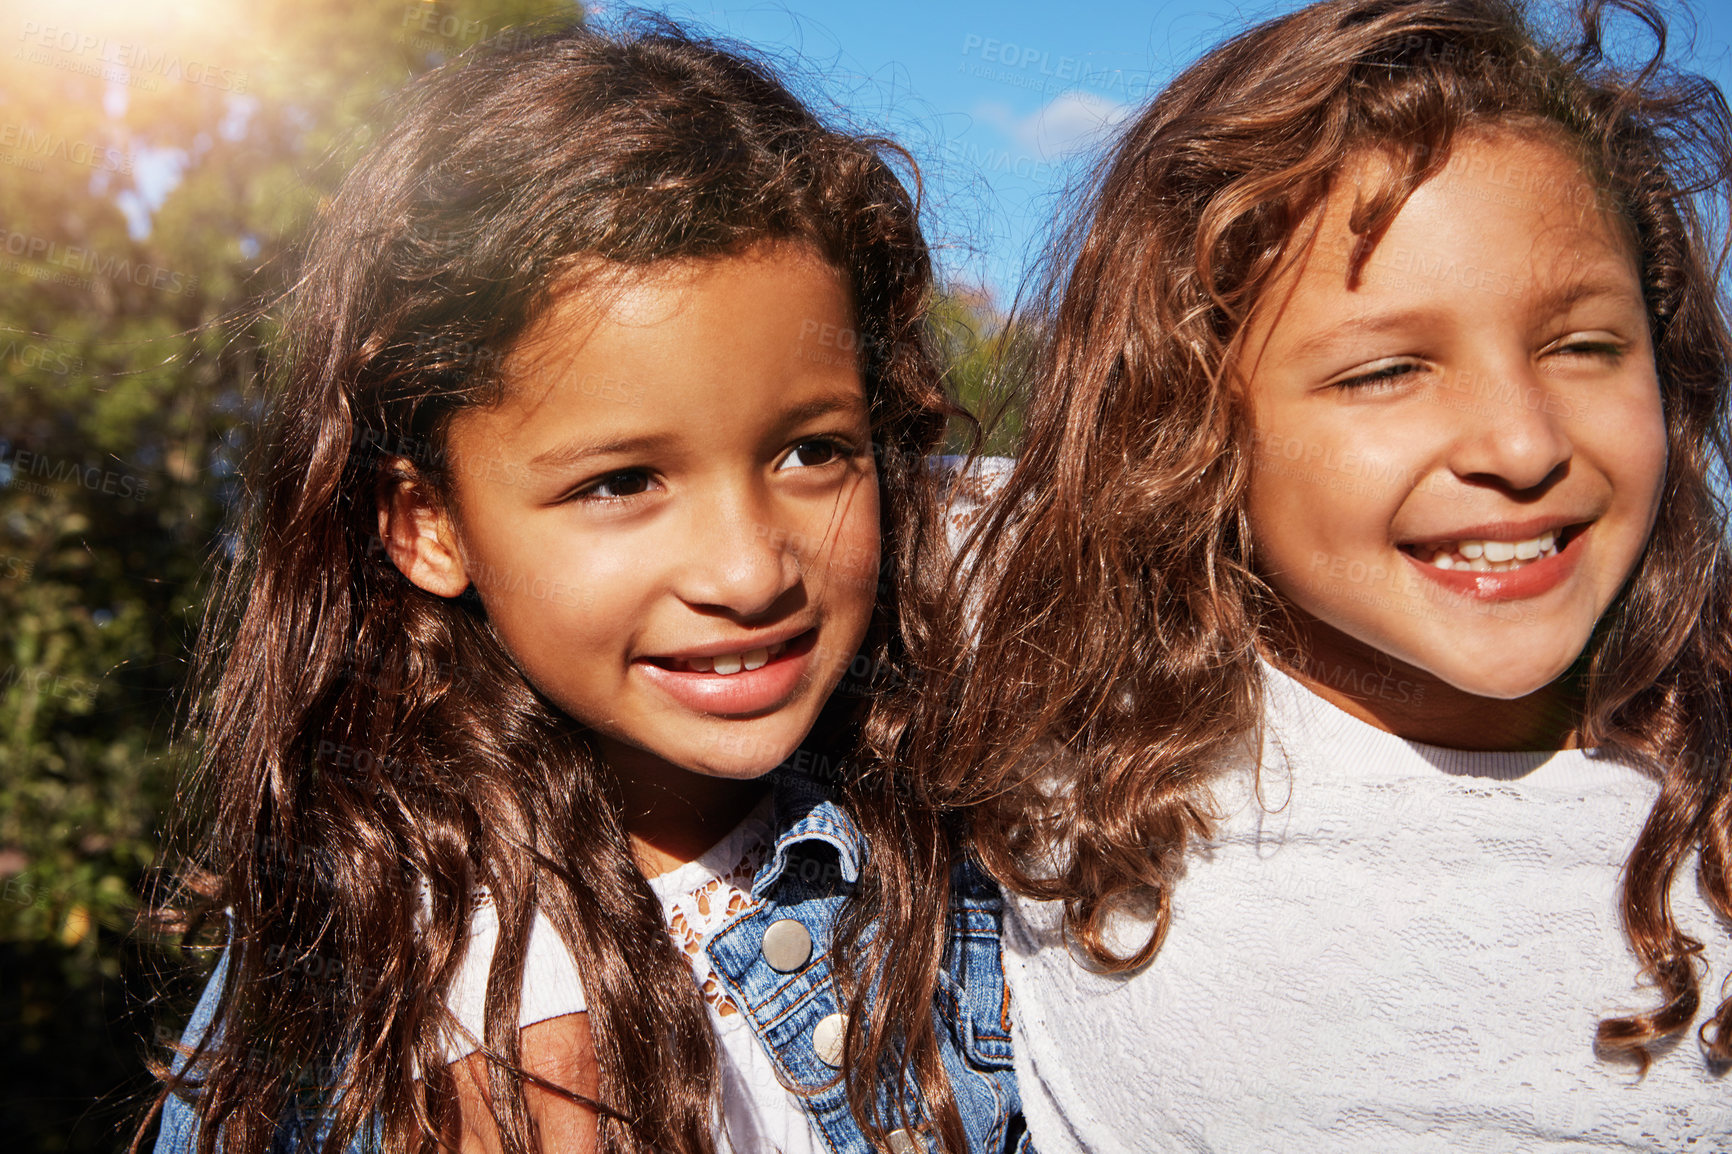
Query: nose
739,561
1513,432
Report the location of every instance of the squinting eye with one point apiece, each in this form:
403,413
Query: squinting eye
1601,349
626,483
1384,374
808,454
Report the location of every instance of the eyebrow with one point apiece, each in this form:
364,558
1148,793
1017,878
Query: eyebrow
576,452
846,402
1373,325
1563,299
1549,303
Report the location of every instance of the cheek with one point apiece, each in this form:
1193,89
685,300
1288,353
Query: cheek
1295,508
1632,444
850,560
547,601
860,544
1290,464
1321,511
1645,454
1285,545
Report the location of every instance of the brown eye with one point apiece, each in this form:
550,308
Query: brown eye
625,483
808,454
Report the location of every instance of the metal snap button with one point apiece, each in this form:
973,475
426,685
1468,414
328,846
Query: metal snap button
787,945
904,1142
827,1039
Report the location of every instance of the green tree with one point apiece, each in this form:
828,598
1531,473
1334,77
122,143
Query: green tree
156,164
986,360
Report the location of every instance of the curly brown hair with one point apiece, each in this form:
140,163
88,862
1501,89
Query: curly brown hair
1099,660
362,740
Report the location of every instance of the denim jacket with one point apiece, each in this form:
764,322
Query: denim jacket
806,879
796,1010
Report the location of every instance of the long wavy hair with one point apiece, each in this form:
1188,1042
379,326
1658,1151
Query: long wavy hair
369,750
1099,662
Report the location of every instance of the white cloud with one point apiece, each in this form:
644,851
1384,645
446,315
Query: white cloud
1068,123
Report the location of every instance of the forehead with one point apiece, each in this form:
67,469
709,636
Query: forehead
692,348
594,291
1513,221
1498,182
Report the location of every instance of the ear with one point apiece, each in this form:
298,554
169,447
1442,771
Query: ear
419,535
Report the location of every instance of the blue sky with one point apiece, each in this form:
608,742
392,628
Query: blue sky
1000,102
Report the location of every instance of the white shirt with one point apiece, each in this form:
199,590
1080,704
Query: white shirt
759,1113
1405,948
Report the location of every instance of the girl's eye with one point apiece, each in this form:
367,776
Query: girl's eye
810,454
614,486
1381,375
1599,347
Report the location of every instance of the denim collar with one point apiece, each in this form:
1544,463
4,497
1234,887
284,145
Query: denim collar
804,812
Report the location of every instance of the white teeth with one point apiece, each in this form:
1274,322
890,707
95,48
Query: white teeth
727,663
1487,556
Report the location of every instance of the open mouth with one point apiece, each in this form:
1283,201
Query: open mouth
1487,555
743,660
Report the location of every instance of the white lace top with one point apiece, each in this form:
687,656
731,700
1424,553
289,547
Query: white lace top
758,1112
1407,950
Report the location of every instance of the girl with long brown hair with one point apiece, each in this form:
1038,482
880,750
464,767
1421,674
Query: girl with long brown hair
1342,676
585,511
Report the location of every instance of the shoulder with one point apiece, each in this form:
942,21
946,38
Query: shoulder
304,1126
552,986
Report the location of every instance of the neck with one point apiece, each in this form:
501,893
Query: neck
1415,705
674,815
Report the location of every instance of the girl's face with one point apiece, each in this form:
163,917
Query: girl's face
672,517
1458,455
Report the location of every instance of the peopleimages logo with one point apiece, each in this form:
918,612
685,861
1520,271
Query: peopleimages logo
1025,66
24,142
32,472
88,262
39,355
88,53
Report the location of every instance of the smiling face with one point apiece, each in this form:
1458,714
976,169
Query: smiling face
672,516
1458,456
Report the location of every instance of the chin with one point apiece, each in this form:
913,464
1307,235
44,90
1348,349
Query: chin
740,756
737,771
1506,683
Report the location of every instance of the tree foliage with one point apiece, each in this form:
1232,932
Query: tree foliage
157,163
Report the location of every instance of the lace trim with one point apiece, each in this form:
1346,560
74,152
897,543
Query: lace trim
969,492
699,898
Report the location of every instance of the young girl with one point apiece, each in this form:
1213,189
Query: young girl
1355,686
605,369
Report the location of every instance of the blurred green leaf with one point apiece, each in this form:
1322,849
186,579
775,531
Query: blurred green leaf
157,161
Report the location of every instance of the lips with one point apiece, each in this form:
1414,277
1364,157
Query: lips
1485,553
729,679
1501,564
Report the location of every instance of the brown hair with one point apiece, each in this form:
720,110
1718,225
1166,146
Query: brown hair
1126,615
364,742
